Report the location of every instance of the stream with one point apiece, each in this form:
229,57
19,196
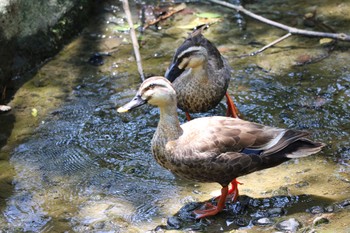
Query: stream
73,164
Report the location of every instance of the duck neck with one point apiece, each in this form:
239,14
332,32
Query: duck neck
169,125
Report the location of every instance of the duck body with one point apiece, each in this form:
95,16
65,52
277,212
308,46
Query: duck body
200,75
215,149
220,149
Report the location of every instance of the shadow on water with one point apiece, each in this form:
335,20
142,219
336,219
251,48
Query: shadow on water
87,168
20,59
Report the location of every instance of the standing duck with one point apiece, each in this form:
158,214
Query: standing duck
215,149
200,76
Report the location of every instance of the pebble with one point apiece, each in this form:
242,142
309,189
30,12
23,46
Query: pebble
174,223
316,210
290,225
275,212
4,108
329,209
263,222
345,203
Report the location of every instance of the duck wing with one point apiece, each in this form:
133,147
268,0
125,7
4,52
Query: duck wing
219,149
222,134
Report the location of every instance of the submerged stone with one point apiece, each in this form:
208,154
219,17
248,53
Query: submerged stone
263,222
174,223
290,225
316,210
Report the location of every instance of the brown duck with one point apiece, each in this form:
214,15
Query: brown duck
215,149
200,75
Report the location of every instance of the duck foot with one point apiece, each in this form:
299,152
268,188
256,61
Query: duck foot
231,107
210,209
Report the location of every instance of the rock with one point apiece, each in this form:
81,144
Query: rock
30,36
316,210
4,108
263,222
242,222
320,220
275,212
329,209
345,203
174,223
290,225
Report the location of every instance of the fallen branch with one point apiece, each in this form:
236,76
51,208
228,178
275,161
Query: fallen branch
291,30
133,38
165,16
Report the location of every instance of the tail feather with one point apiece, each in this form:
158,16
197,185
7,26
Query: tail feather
304,147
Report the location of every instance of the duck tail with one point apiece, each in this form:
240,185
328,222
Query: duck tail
302,147
294,144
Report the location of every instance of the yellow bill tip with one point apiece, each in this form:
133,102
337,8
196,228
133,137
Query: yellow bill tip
122,110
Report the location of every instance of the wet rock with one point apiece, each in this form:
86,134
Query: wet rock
320,220
275,212
186,212
254,202
242,221
263,222
260,214
345,204
96,59
290,225
316,210
236,208
329,209
4,108
174,223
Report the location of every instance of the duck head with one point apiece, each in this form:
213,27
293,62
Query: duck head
156,91
186,58
195,52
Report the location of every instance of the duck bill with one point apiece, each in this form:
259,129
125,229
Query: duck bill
137,101
173,72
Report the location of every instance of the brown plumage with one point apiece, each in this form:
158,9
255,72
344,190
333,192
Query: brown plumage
215,149
200,75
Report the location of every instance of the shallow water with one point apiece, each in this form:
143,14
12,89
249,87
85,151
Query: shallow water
86,168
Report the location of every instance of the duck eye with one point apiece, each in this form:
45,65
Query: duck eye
152,85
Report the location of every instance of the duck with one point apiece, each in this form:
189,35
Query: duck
200,75
215,148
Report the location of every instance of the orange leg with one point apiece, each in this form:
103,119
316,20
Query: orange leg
231,107
188,117
233,190
211,209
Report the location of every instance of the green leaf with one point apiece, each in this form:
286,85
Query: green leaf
208,15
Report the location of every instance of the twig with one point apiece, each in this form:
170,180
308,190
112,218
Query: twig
167,15
291,30
269,45
133,38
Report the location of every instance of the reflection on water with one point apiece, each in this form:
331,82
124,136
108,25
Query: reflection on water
87,168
